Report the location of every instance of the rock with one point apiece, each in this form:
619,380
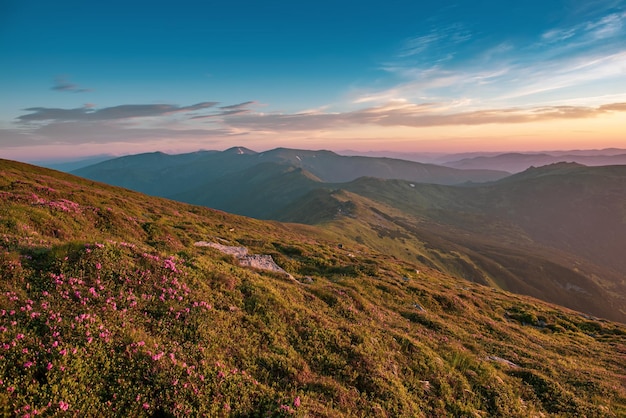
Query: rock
502,361
258,261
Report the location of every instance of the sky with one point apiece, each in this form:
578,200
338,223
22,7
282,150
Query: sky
81,78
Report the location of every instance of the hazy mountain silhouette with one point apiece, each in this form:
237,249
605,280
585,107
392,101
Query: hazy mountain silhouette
517,162
168,175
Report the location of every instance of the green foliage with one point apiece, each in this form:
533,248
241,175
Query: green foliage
121,315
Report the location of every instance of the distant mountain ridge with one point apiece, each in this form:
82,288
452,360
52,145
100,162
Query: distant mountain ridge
166,175
517,162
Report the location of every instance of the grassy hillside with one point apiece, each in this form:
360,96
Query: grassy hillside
259,191
555,232
108,307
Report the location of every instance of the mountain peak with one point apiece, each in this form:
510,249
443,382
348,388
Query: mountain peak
239,151
557,166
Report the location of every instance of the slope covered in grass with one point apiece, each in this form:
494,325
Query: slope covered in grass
108,307
555,232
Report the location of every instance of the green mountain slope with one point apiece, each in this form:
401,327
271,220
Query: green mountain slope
109,306
258,191
556,232
334,168
509,259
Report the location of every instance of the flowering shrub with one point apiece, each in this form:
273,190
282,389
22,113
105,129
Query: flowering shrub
110,329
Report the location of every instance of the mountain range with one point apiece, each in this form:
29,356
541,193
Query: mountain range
117,303
512,162
517,162
554,232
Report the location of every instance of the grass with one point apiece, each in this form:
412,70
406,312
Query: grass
107,307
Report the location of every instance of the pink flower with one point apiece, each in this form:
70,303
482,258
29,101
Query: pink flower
28,364
63,406
296,402
146,405
49,366
286,408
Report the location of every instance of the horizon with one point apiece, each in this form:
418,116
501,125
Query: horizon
83,79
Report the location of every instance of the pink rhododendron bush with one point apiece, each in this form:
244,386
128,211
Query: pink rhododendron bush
105,327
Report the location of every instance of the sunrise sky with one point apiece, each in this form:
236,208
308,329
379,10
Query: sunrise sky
80,78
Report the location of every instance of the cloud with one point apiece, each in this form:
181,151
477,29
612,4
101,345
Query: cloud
238,105
558,35
415,115
606,27
204,121
102,132
435,42
614,107
563,63
89,113
567,73
125,123
61,84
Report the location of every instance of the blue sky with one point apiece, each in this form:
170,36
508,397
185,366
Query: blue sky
82,78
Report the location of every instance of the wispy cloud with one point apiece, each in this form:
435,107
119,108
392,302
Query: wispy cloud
604,28
89,113
69,127
238,105
125,123
435,41
562,62
102,132
412,115
607,26
110,124
61,84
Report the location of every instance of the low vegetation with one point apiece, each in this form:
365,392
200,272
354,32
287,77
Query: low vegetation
108,308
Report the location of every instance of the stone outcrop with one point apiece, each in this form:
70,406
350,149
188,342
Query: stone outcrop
257,261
